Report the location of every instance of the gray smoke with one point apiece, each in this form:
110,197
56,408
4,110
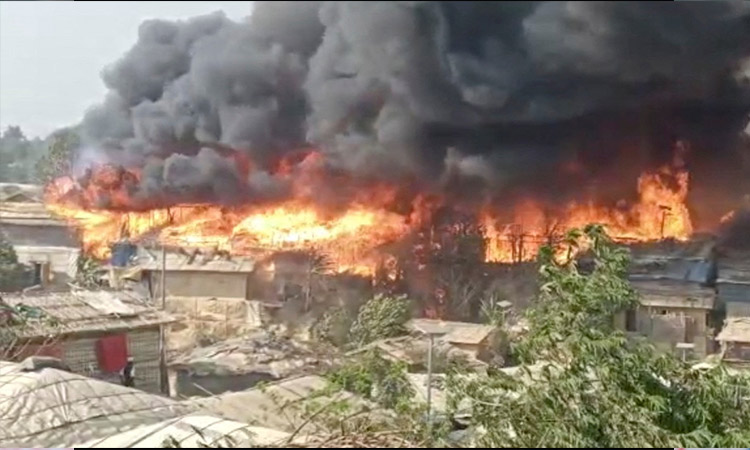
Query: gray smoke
384,89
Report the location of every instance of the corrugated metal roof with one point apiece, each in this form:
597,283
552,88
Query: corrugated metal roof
196,263
734,267
82,311
686,261
736,329
675,294
453,332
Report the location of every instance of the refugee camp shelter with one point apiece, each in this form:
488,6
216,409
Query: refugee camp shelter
45,407
735,340
195,274
39,239
733,283
472,338
94,332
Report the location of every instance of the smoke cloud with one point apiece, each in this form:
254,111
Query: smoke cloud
438,91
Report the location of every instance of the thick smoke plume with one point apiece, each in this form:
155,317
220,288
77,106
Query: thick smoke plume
478,95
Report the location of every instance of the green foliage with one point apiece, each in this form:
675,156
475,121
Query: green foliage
59,156
18,155
572,303
88,272
13,276
8,254
333,327
590,386
374,378
381,317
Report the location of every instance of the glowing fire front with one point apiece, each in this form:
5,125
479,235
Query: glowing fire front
661,213
351,237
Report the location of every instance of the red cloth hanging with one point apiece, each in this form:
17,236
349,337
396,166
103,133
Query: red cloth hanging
112,352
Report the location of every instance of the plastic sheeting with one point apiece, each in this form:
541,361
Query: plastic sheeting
192,432
53,408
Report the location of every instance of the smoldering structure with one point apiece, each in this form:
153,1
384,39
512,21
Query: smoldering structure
485,101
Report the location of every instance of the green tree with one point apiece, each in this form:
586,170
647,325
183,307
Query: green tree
88,272
381,317
18,155
13,275
590,386
59,156
374,378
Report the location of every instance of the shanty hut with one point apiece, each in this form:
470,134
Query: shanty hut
40,240
672,313
472,338
733,283
51,408
93,332
197,275
735,340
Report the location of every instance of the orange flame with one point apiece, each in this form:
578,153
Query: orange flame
352,237
661,213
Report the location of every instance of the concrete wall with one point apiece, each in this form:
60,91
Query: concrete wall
79,352
202,284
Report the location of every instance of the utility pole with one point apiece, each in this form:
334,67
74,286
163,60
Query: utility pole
429,382
163,277
163,374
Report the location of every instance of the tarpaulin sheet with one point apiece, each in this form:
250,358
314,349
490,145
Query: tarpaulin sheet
112,352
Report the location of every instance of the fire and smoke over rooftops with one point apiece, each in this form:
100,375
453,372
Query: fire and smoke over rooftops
383,89
344,122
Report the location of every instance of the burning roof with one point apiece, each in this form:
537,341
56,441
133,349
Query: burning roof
341,127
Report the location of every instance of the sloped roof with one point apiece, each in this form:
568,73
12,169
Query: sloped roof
36,214
196,262
736,329
214,432
53,408
734,267
413,350
82,311
18,192
453,332
270,406
692,260
674,294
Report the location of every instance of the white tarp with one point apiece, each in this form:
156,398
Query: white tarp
53,408
192,432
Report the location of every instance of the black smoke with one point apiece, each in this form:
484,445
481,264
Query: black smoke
496,93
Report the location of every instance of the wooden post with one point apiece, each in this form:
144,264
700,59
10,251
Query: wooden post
163,375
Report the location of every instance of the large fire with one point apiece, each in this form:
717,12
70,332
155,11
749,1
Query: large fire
661,213
351,237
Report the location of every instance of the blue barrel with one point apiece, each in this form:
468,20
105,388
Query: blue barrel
122,252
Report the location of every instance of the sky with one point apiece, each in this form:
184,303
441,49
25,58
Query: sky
52,53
